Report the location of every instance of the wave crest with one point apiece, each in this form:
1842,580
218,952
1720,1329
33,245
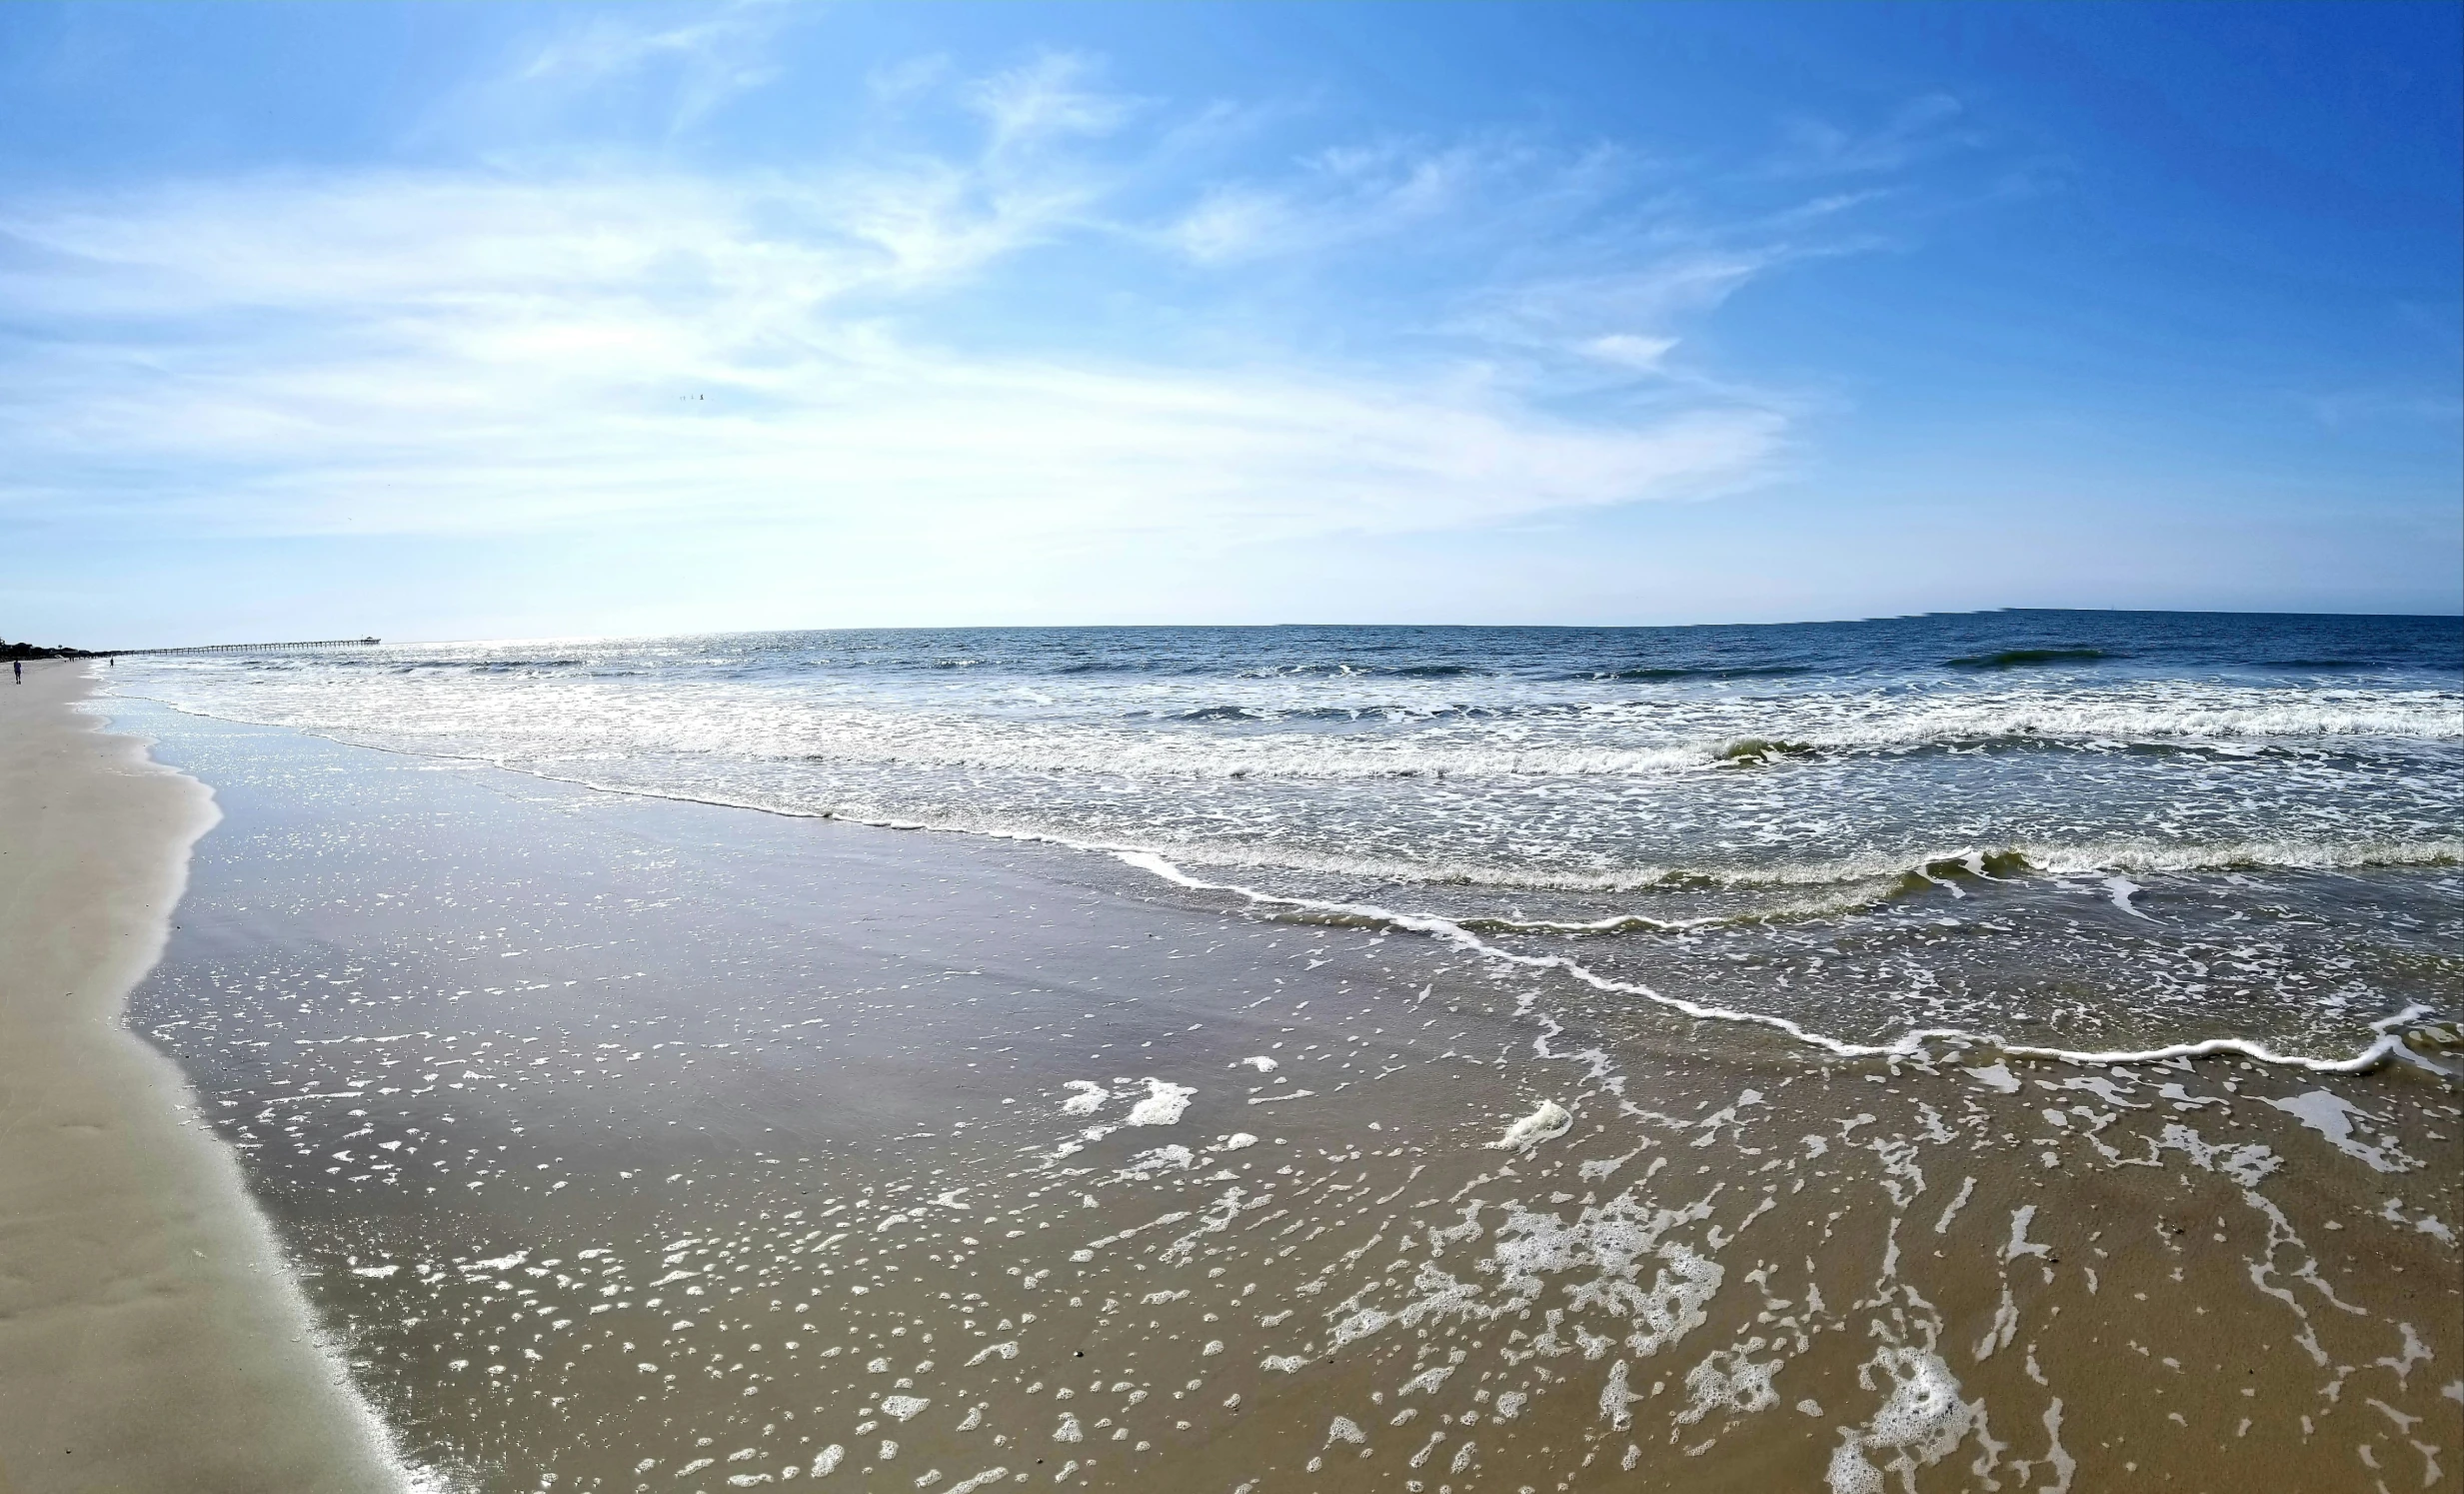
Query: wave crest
1884,874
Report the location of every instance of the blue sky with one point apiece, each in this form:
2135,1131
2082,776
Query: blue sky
457,320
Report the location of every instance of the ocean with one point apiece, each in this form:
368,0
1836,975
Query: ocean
2067,833
2010,1050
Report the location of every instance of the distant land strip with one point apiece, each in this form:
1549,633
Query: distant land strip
63,651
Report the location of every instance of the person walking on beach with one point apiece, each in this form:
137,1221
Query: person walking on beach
19,667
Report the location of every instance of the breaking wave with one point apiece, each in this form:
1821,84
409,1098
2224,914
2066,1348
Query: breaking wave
1879,876
1606,741
2019,659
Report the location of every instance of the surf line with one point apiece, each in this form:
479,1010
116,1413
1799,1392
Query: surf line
1911,1045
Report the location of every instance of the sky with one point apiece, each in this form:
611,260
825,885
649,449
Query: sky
465,321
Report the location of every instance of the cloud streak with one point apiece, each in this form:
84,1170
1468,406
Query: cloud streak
474,352
692,66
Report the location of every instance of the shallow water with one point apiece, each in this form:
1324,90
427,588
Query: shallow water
2090,832
629,1143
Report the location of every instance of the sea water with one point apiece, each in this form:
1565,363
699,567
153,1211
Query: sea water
1239,1121
2117,833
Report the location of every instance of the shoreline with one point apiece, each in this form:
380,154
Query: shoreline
2386,1044
625,1138
150,1335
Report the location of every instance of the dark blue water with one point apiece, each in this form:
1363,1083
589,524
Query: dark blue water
2257,647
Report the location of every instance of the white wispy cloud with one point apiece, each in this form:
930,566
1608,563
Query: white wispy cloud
1923,126
475,351
1056,97
1495,185
438,355
1342,196
691,62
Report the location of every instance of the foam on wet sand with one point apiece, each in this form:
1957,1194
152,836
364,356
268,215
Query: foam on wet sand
1546,1124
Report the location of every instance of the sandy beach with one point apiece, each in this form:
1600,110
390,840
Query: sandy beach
624,1142
149,1336
1231,748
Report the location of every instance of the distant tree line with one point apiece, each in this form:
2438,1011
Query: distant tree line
37,651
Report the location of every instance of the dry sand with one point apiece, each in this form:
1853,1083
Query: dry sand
148,1339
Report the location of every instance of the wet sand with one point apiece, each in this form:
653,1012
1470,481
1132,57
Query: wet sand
148,1337
637,1145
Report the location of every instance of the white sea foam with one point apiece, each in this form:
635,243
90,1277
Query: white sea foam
1615,1398
2019,1244
1162,1159
1910,1045
1919,1423
2331,1115
1546,1124
1996,1076
2121,890
1846,881
531,736
1164,1105
1604,737
1730,1381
